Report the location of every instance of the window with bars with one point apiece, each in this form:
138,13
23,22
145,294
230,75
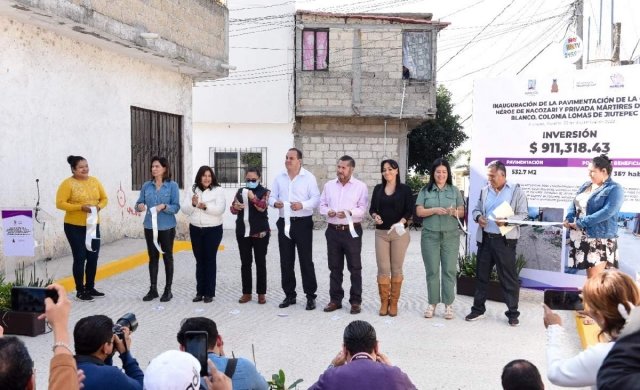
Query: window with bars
315,49
417,55
155,133
230,164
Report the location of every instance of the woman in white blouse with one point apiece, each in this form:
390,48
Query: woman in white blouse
205,209
601,294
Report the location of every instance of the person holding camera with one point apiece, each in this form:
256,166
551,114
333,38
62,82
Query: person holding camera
367,368
603,294
16,366
244,375
96,341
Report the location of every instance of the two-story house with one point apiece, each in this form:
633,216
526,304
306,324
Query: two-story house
362,82
110,81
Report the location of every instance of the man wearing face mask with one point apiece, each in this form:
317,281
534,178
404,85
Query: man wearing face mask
95,345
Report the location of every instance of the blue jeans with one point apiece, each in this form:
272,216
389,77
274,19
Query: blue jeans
76,236
205,242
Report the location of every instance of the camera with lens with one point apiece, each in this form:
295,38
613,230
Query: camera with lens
126,321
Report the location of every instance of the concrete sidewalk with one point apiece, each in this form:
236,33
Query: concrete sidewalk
435,353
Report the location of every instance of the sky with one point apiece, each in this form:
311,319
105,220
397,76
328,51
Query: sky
493,38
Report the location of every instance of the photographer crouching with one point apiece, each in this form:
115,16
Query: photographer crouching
96,341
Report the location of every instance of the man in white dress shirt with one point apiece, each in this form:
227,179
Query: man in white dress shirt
297,189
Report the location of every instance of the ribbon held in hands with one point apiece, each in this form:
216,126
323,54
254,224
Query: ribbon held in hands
287,218
92,228
154,226
352,228
399,228
245,201
530,223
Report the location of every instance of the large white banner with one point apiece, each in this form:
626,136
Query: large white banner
545,130
17,232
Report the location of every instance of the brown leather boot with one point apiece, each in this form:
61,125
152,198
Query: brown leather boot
396,286
383,289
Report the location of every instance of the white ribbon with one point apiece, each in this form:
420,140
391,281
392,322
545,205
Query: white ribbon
461,225
245,199
92,227
530,223
399,227
352,228
287,218
154,226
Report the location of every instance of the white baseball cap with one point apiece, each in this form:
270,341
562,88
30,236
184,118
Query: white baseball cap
173,370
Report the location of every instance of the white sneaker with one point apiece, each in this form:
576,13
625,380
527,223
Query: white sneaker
448,312
430,311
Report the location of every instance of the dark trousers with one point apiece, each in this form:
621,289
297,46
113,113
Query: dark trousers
76,236
259,247
301,238
205,243
340,244
165,240
495,249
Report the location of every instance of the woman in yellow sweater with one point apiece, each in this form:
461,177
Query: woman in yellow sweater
77,195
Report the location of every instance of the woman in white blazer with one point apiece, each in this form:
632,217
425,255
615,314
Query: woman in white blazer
205,209
602,294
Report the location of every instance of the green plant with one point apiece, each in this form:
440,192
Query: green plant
467,266
278,382
251,159
415,182
34,281
521,262
21,280
5,294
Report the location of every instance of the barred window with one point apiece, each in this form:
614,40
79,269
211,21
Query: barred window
230,164
155,133
417,55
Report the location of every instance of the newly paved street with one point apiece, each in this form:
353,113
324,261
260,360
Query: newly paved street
435,353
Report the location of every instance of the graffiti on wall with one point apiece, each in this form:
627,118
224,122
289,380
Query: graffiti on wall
122,202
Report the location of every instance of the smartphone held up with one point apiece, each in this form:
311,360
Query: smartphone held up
563,300
196,345
31,299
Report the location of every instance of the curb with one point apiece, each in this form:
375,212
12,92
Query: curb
125,264
588,333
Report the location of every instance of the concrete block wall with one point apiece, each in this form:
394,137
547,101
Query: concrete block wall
323,140
364,76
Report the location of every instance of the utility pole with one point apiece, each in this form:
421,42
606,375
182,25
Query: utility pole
579,28
615,50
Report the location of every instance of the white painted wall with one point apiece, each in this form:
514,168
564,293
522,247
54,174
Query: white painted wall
62,97
277,138
251,108
250,94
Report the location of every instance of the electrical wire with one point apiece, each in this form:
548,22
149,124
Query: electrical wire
472,39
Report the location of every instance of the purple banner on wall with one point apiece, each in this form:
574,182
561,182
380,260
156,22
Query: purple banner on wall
15,213
17,233
560,162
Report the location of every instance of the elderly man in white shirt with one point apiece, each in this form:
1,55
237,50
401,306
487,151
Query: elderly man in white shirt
295,193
